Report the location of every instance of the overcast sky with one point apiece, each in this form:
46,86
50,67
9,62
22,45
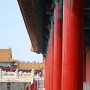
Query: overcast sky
13,32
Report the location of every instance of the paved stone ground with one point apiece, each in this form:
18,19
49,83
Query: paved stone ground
21,85
12,85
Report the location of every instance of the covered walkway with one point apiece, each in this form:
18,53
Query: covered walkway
60,30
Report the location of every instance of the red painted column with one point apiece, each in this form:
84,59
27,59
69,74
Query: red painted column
27,88
84,66
52,56
88,65
35,85
49,62
47,73
57,49
47,67
72,56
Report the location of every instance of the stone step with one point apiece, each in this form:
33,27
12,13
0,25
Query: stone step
40,84
41,89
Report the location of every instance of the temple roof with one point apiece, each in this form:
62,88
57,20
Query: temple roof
7,60
34,11
29,66
6,55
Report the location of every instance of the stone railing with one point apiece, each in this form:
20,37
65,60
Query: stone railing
16,76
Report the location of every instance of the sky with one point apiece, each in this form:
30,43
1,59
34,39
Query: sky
13,33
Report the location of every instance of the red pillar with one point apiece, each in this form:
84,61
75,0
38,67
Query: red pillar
27,88
52,56
84,66
57,49
49,62
47,73
35,85
47,67
72,58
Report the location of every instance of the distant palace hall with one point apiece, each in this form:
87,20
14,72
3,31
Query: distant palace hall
7,63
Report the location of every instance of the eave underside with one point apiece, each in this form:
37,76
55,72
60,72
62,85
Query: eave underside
34,12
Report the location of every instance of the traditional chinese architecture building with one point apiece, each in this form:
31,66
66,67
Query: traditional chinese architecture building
28,67
9,64
60,30
6,61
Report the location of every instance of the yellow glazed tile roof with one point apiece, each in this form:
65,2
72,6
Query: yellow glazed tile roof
6,55
29,66
7,60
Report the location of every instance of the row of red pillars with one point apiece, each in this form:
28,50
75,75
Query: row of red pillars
64,60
